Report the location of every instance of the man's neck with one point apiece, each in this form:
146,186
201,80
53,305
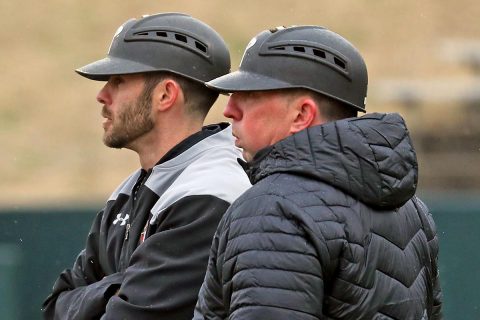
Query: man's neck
153,146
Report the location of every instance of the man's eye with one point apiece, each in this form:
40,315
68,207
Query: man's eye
116,81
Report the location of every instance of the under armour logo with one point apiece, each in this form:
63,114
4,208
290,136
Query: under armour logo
120,219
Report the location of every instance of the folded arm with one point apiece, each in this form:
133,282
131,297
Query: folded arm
166,271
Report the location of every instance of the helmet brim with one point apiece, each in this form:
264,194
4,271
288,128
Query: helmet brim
101,70
246,81
249,81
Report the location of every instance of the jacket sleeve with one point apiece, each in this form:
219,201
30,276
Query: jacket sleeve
83,291
430,229
433,244
267,265
437,295
167,269
210,303
437,292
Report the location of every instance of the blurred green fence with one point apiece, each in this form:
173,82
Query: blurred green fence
36,245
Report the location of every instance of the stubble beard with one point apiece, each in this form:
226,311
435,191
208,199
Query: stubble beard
133,121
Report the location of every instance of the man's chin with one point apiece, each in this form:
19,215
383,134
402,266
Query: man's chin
247,156
113,143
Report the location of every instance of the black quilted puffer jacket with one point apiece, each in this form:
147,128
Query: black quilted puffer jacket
331,229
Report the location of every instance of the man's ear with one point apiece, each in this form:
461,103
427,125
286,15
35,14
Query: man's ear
306,114
166,94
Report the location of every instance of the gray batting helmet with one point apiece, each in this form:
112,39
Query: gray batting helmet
309,57
172,42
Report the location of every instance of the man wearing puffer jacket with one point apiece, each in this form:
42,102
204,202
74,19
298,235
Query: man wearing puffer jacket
332,228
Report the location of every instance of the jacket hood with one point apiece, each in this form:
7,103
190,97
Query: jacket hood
371,158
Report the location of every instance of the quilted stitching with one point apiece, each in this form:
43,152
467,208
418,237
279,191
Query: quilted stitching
329,231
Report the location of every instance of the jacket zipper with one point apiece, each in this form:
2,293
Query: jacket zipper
127,230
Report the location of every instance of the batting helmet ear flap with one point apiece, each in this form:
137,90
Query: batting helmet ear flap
171,42
308,57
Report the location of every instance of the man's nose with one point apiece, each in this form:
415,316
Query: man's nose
103,96
231,111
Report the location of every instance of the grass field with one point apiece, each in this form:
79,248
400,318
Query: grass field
50,125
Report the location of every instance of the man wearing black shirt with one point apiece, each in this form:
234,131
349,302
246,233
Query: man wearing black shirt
147,250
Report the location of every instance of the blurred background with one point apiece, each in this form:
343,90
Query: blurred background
423,58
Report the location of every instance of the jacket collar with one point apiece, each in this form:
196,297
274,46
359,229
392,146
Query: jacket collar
371,158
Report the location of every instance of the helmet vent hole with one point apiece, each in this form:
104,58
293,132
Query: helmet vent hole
319,53
307,51
200,46
180,37
170,36
339,63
